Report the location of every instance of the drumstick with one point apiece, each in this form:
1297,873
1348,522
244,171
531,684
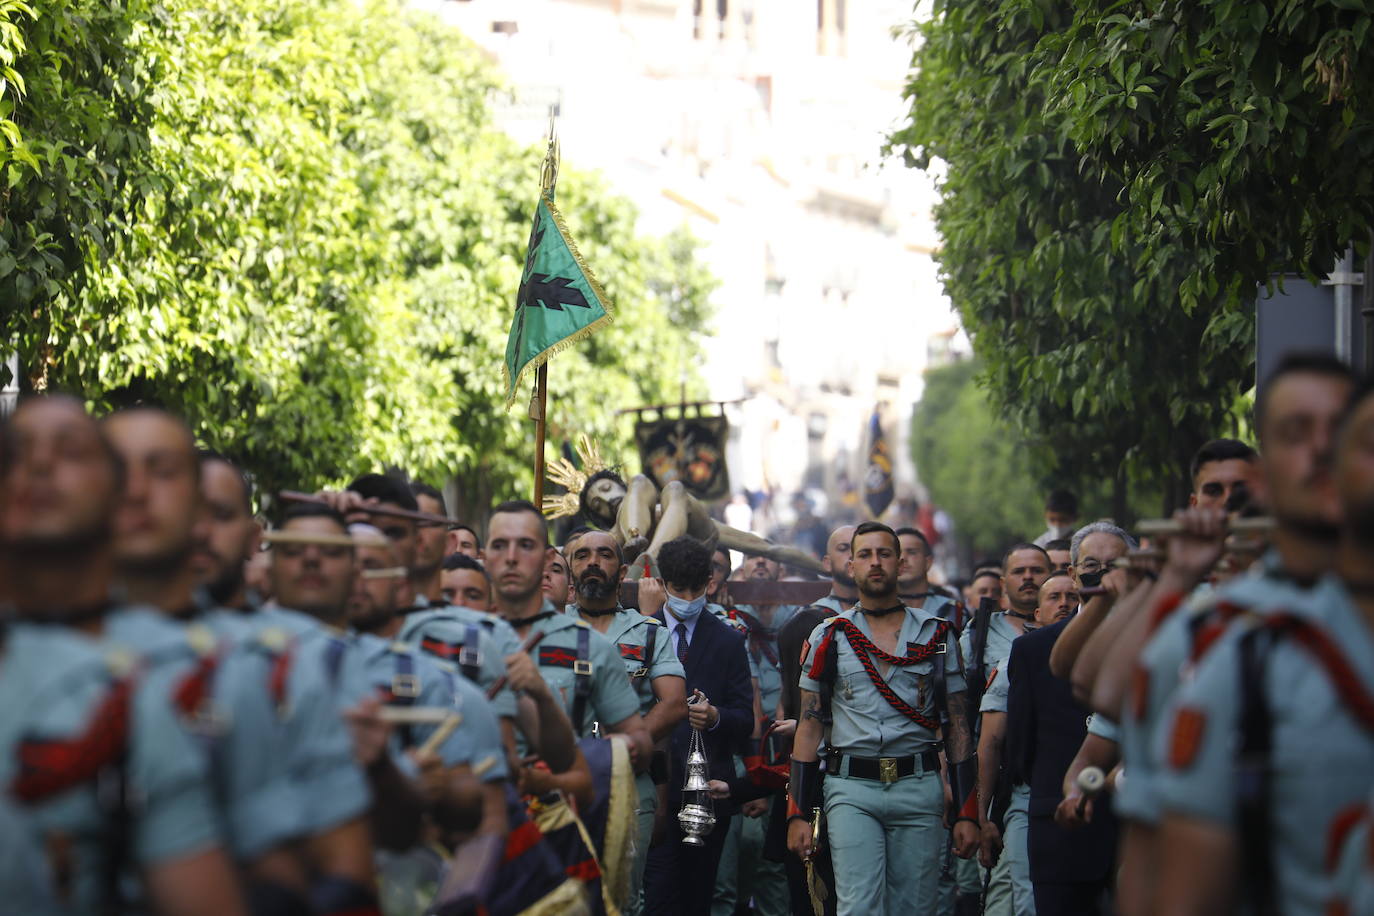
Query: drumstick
441,734
1091,780
414,715
499,684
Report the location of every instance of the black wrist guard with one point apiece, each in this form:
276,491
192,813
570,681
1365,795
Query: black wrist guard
963,785
803,789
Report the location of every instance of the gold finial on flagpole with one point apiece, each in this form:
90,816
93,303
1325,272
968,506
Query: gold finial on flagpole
548,175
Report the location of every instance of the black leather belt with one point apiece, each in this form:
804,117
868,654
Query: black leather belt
883,769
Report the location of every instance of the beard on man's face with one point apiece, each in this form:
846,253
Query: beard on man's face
594,585
877,587
841,577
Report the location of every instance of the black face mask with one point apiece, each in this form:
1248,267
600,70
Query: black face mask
1092,579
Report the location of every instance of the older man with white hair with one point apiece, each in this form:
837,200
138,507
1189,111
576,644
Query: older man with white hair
1094,547
1069,869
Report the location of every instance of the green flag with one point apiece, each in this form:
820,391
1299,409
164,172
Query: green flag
559,301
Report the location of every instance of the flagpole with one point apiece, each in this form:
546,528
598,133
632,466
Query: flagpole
541,403
548,181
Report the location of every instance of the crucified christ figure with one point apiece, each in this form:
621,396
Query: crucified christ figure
642,519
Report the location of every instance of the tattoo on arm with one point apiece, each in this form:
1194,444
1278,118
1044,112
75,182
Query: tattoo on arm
958,738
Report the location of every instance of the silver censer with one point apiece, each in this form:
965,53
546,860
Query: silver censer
695,818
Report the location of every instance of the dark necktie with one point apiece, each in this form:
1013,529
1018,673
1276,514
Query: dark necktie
681,631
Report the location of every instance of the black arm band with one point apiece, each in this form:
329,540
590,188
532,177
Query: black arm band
963,785
803,789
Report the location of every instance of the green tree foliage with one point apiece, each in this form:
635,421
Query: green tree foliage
1117,179
974,468
989,480
293,221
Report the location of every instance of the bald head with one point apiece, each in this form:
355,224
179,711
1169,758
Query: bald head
1059,600
836,559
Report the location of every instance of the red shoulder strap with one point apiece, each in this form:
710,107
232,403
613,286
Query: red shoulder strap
1338,669
47,768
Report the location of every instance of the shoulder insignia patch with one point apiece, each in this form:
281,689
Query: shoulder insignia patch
274,639
120,662
201,639
991,677
1189,725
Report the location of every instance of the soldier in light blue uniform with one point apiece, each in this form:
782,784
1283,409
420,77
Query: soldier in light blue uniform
403,675
1308,666
585,671
582,669
1025,570
1296,419
475,642
74,706
470,756
108,783
1169,656
883,794
1009,889
313,569
596,568
1242,779
224,696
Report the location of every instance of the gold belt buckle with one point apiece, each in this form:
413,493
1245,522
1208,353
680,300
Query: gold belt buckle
887,769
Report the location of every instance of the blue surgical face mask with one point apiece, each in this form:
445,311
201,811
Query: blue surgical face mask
683,609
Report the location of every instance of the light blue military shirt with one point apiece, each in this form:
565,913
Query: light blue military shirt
740,627
998,647
864,723
445,631
763,649
831,603
998,689
629,632
224,686
995,700
1166,660
610,697
404,676
326,677
63,692
1322,753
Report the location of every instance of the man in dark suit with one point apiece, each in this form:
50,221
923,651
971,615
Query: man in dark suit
1070,869
680,879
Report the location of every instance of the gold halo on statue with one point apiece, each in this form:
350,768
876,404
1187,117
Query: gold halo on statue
570,477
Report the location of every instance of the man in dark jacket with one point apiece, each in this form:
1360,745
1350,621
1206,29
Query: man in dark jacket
1070,869
680,878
